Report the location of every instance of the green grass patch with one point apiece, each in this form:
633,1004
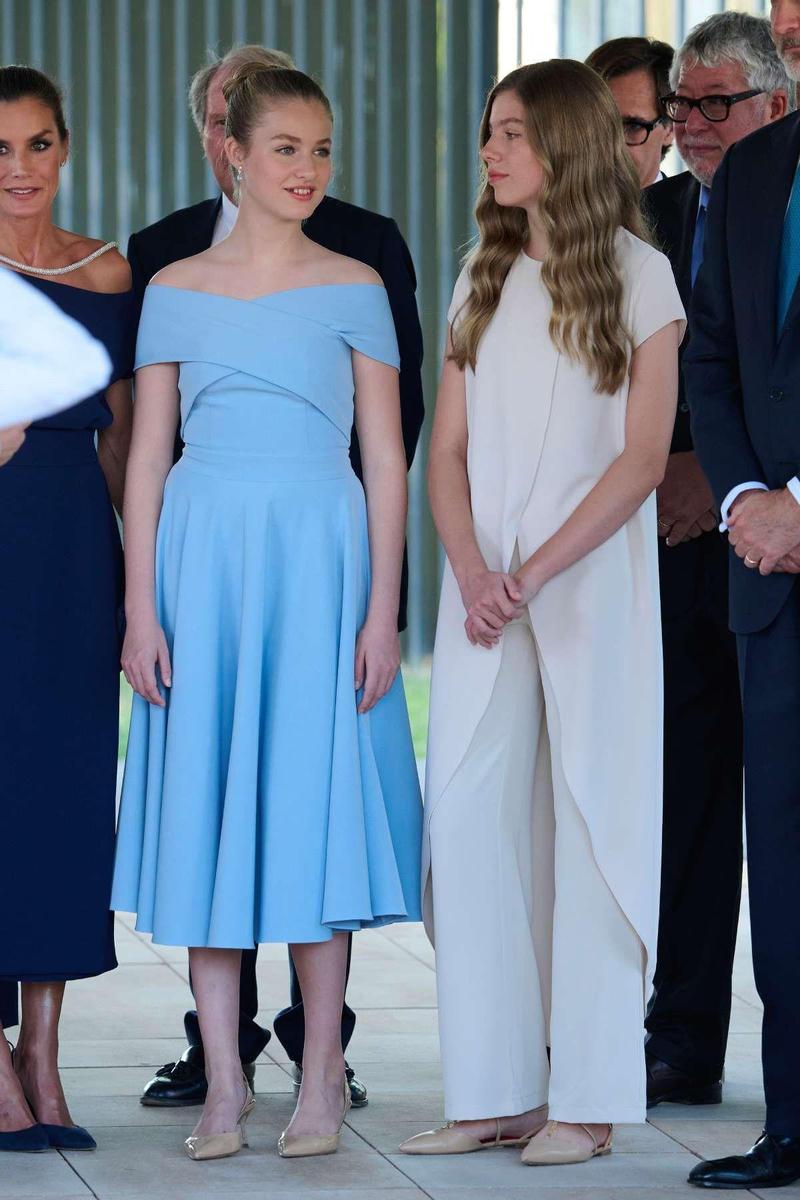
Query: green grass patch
417,681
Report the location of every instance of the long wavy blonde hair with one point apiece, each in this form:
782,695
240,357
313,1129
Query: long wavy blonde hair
589,192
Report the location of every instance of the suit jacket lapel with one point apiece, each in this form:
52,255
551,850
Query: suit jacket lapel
197,236
768,193
688,218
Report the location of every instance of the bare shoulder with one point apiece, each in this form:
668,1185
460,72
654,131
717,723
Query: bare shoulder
112,272
185,273
109,272
338,268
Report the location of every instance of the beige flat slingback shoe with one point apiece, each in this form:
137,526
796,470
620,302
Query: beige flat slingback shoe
559,1143
451,1139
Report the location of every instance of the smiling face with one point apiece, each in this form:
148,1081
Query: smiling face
785,21
515,173
702,143
635,96
31,156
286,165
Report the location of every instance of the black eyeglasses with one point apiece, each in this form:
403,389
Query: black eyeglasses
713,108
637,132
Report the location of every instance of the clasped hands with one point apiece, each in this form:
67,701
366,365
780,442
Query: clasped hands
492,599
764,531
686,507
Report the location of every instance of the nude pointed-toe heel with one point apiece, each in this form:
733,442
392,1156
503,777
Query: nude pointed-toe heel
222,1145
308,1145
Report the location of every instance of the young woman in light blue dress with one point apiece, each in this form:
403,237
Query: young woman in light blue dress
270,788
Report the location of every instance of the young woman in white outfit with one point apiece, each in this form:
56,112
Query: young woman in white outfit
543,805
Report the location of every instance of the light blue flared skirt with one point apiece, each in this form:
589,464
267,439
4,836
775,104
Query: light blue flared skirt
259,805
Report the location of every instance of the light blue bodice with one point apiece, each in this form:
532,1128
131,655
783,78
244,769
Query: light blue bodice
273,375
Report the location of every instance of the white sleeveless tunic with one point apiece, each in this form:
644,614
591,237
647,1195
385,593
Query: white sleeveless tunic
540,438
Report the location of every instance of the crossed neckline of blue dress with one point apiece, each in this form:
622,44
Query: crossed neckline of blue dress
311,287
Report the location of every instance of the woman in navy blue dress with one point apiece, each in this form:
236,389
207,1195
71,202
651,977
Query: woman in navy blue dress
59,632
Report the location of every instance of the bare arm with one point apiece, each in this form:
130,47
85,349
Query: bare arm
154,423
632,476
113,443
490,598
377,404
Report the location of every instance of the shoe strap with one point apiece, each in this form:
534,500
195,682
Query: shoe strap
594,1139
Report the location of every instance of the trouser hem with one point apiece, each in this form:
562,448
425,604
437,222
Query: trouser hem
599,1116
484,1109
666,1052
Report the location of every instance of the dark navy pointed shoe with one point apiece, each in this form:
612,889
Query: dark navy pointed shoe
69,1137
32,1140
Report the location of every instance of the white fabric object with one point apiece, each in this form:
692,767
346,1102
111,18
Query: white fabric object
540,438
527,927
727,503
48,361
794,487
226,219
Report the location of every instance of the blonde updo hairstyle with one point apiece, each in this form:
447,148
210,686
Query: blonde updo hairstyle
589,193
254,87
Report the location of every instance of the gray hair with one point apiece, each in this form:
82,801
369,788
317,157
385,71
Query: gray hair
736,37
236,57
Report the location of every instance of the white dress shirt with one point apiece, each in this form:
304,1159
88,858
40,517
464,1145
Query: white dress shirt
225,221
48,361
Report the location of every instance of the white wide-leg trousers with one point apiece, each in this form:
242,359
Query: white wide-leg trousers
532,948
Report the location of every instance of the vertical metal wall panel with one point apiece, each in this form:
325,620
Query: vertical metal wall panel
181,72
407,81
95,150
123,115
64,67
9,32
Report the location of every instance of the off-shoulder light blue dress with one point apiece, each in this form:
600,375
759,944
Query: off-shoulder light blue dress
259,805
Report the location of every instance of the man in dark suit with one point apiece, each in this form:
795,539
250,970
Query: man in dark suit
742,372
728,55
636,70
374,240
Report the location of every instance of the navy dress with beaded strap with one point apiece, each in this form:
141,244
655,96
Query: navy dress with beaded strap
60,624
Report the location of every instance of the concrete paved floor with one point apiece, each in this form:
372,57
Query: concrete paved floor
117,1028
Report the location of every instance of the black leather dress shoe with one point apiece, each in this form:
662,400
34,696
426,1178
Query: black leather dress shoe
666,1083
772,1162
358,1093
183,1083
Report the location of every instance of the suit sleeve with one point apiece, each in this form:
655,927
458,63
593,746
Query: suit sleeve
711,362
139,273
397,272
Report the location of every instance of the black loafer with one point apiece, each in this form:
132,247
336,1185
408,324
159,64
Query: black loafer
666,1084
69,1137
183,1083
32,1140
771,1162
358,1092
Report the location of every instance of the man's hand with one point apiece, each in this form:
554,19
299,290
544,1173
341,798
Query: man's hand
789,564
685,502
11,438
764,528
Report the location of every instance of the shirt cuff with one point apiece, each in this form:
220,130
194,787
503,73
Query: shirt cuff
735,492
793,486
